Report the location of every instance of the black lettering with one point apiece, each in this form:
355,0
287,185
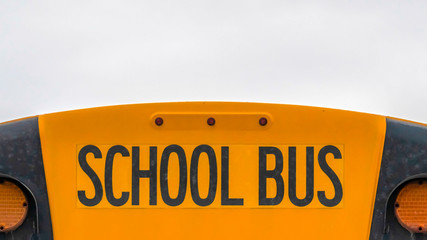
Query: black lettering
225,177
109,176
137,174
90,202
309,181
332,176
164,188
213,175
275,174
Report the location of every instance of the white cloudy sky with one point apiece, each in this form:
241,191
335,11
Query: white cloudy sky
368,56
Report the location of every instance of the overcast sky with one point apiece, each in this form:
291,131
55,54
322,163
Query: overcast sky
367,56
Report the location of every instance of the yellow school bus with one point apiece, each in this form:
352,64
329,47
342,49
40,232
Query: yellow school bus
212,170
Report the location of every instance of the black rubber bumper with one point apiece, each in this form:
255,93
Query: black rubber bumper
21,161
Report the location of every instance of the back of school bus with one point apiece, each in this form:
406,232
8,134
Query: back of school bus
212,171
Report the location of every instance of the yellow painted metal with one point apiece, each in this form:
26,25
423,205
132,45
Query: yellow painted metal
359,138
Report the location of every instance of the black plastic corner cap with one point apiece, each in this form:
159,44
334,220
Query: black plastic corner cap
21,160
404,158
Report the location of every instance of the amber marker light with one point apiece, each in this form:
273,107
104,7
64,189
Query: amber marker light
263,121
211,121
13,206
159,121
411,206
